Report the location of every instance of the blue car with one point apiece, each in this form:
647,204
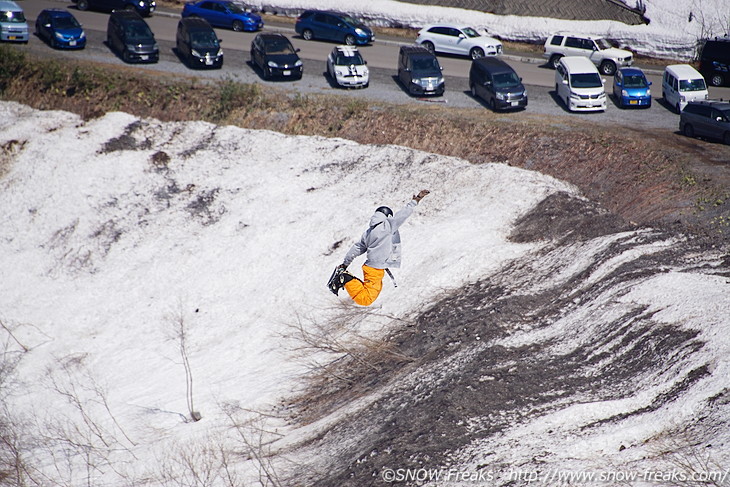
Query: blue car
223,13
60,29
332,26
631,88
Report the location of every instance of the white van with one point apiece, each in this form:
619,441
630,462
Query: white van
579,85
13,26
682,84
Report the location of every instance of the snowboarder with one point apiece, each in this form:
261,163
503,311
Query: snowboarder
382,243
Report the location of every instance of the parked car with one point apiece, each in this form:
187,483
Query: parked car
419,71
598,50
332,26
198,44
681,84
631,88
715,61
129,36
276,57
579,85
453,39
13,26
224,13
143,7
60,29
495,82
706,119
346,66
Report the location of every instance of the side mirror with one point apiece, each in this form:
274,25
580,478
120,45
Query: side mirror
462,36
487,83
220,41
565,81
617,83
649,83
47,26
297,50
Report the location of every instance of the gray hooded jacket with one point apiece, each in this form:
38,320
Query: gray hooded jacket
381,240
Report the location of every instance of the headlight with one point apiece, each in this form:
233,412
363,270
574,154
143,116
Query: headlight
524,93
648,92
575,95
58,35
298,63
272,64
141,3
155,47
83,35
500,96
624,93
220,52
360,32
195,53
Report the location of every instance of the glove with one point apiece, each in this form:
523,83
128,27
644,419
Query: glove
342,266
422,194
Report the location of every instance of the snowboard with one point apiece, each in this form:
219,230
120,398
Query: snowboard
334,283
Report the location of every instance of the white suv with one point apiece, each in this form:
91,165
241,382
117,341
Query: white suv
453,39
597,49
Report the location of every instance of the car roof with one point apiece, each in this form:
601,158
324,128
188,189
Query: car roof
347,50
9,5
494,64
57,12
683,70
196,22
631,71
575,34
579,63
719,104
271,35
416,50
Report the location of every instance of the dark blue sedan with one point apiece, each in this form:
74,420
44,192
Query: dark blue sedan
631,88
60,29
223,13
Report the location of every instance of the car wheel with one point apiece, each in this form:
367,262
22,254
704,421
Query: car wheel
350,40
476,52
567,102
493,104
237,26
716,80
429,45
82,4
307,35
554,60
689,131
608,68
125,56
473,89
267,72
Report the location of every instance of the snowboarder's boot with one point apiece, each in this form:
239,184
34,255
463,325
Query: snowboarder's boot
338,279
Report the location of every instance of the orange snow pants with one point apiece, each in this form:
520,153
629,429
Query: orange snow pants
366,291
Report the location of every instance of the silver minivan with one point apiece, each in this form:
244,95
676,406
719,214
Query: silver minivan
13,26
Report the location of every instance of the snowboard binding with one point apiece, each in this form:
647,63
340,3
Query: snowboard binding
338,279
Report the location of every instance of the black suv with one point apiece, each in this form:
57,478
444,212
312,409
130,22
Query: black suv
143,7
198,44
706,119
129,36
276,57
495,82
419,71
715,61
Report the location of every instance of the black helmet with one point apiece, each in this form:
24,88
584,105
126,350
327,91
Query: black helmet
385,210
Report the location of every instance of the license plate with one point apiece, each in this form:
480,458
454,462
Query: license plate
12,38
633,102
209,62
286,73
144,57
71,43
514,103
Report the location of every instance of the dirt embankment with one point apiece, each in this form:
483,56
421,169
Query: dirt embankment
646,176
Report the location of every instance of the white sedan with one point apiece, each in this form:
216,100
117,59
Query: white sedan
452,39
347,68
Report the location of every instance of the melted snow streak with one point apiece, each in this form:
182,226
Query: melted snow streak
554,362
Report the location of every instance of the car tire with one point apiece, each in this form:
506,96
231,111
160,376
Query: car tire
608,68
350,40
567,103
266,71
307,35
429,45
688,131
476,52
493,104
237,26
717,80
125,56
473,89
555,60
82,4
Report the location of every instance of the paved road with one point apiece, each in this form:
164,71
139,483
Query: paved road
381,57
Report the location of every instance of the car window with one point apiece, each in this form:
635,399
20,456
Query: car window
506,80
320,18
137,30
203,39
585,80
343,60
471,32
439,30
424,63
208,5
574,42
557,40
635,81
65,23
719,115
603,44
235,8
12,17
278,46
692,85
349,20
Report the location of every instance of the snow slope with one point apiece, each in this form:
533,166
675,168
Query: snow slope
673,31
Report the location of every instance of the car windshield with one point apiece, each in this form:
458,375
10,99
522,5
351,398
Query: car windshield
138,30
355,58
635,81
13,17
692,85
349,20
506,80
203,39
65,23
235,8
470,32
278,46
603,44
425,64
585,80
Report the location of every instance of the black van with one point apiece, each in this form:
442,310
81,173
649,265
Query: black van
198,44
495,82
143,7
715,61
129,36
419,71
